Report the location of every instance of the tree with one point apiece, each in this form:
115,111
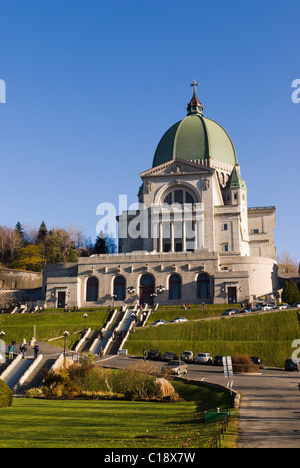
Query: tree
29,258
100,244
286,263
290,293
42,233
20,231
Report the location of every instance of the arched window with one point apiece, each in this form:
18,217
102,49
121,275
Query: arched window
120,288
179,196
92,288
203,286
175,287
147,289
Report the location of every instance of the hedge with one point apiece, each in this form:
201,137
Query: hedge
6,395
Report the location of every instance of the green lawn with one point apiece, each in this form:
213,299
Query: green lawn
102,424
50,324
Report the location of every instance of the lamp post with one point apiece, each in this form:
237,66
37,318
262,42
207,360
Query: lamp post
65,333
113,296
85,316
160,289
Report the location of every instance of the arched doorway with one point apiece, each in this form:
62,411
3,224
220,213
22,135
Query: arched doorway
147,290
92,288
175,287
203,286
120,288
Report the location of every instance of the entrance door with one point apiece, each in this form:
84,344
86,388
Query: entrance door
232,295
61,299
147,288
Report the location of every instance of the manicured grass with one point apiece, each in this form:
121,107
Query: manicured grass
49,324
102,424
269,336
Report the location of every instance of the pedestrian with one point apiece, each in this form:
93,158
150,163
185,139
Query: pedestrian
11,349
23,349
100,352
36,350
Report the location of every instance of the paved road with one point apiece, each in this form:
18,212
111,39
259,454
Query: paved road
270,404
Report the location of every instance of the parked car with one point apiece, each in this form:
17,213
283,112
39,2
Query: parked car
283,306
187,356
158,322
175,367
204,358
178,320
247,310
267,307
230,312
218,361
291,365
256,360
154,355
297,304
169,356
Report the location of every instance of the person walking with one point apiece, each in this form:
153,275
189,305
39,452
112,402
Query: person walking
11,348
23,349
36,350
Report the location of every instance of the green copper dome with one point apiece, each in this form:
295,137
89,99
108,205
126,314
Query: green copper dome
195,137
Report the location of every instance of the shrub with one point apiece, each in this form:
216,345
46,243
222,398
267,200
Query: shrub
34,393
243,363
164,389
6,395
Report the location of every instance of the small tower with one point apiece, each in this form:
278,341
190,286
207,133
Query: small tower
194,106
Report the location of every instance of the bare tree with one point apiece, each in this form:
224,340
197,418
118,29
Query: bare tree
286,263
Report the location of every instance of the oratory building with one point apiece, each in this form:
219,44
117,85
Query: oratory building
193,240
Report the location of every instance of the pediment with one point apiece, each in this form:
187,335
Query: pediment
177,167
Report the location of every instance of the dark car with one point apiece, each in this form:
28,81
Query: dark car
187,356
256,360
291,365
154,355
169,356
218,361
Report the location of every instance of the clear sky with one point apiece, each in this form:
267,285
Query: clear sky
92,86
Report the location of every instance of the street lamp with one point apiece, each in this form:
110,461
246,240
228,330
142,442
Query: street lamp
65,333
113,299
85,316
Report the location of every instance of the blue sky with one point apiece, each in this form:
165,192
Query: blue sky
93,85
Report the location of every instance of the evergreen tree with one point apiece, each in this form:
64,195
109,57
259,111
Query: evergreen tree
100,244
290,293
20,231
43,232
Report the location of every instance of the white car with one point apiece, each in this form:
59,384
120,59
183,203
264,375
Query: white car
178,320
267,307
159,322
204,358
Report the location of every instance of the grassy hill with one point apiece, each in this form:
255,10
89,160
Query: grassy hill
50,324
269,336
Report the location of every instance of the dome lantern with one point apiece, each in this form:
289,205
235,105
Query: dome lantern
194,106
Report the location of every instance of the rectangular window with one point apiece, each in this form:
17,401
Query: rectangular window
225,247
255,231
225,227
